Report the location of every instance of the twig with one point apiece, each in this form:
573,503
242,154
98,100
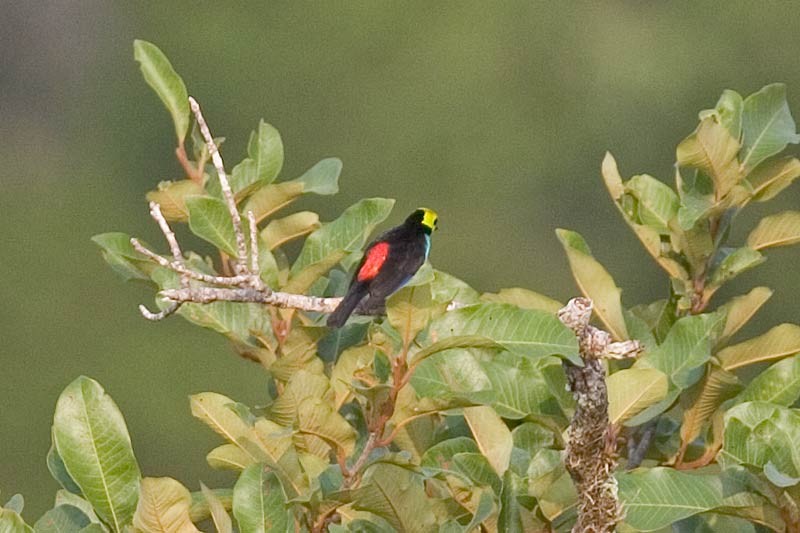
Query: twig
591,446
216,158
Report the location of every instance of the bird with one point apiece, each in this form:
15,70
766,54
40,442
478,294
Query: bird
389,262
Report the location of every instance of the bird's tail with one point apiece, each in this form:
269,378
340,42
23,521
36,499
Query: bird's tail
347,306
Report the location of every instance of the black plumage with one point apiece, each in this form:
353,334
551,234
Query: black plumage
389,262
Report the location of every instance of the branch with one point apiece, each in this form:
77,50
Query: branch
240,267
591,446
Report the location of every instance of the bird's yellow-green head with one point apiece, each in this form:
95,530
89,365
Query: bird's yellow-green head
427,218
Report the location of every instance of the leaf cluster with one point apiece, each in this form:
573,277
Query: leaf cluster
705,398
450,413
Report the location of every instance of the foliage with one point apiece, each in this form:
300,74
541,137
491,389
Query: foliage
449,419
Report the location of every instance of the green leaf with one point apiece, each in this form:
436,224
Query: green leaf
492,436
440,455
263,164
210,220
349,232
162,78
782,229
397,495
163,507
767,125
119,253
64,497
12,522
741,309
280,231
523,298
59,471
16,503
322,178
476,467
632,390
460,341
93,441
657,497
771,177
222,522
727,112
781,341
521,387
594,282
712,149
62,519
171,197
685,350
656,204
509,519
758,433
738,261
778,384
526,332
446,288
260,503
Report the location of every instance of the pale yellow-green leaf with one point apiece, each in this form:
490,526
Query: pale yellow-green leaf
163,507
595,283
217,412
280,231
12,522
266,201
612,177
316,416
782,229
523,298
717,386
302,280
771,177
229,457
222,521
492,436
350,362
171,197
649,236
781,341
741,309
632,390
712,149
410,309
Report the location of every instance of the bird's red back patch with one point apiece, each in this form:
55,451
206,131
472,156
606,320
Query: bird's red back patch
376,256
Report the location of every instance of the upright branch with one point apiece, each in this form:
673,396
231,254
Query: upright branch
591,447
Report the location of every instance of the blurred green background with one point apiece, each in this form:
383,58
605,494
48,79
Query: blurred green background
497,114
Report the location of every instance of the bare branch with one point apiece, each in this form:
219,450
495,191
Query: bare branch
216,158
254,247
149,315
204,295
